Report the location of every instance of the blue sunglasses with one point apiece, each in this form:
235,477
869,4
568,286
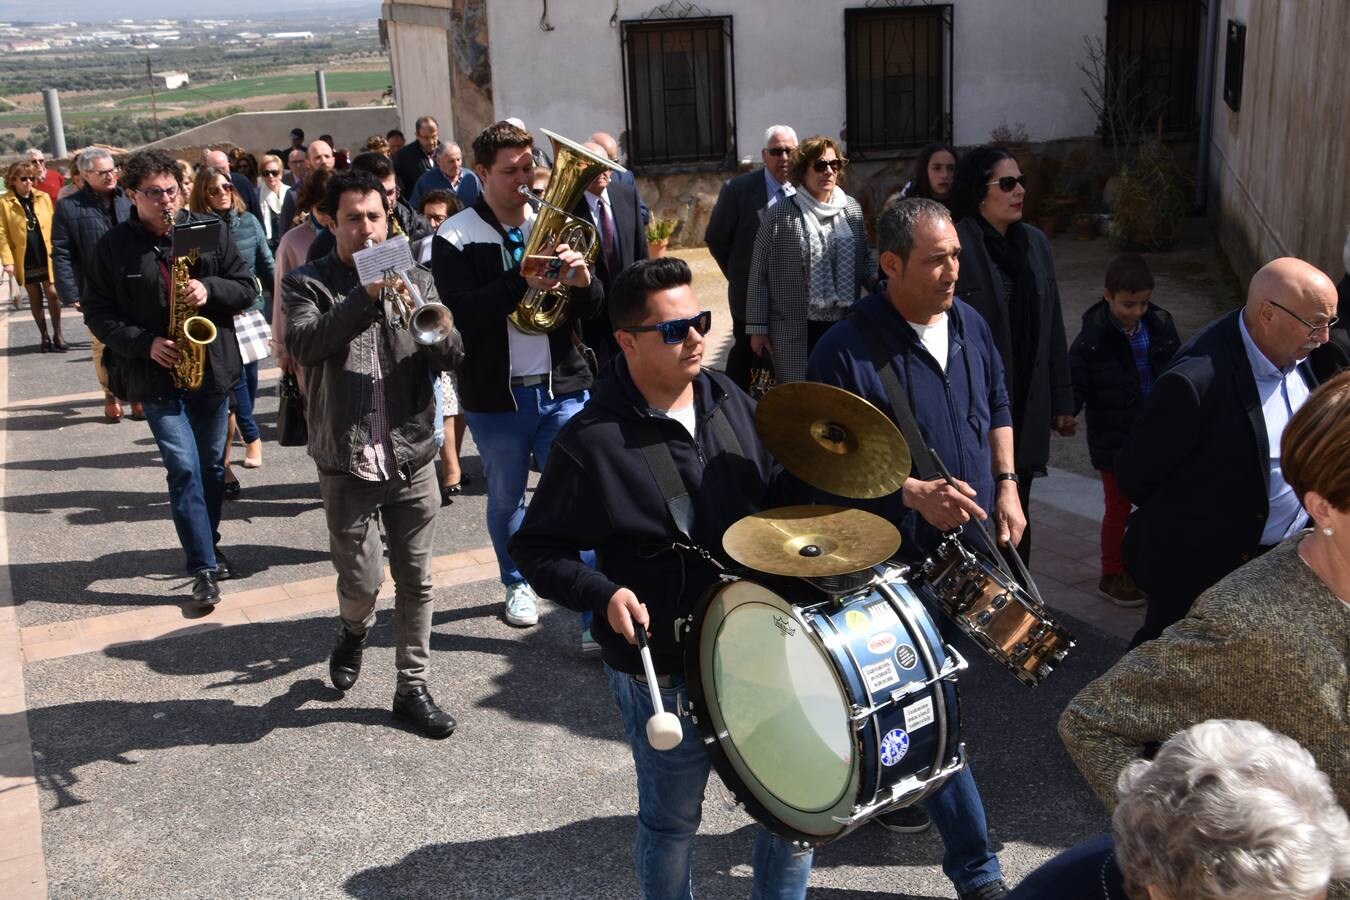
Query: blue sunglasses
676,330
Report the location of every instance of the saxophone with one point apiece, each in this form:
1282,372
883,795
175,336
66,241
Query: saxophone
189,332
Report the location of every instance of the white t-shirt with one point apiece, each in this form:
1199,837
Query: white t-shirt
684,415
530,354
935,339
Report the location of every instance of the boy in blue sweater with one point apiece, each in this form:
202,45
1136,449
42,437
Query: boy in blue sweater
1125,344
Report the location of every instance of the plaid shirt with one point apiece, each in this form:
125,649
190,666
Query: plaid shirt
1139,347
376,454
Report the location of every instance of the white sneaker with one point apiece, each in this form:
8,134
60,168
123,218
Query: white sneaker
522,606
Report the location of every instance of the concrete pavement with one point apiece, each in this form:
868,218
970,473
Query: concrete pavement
146,750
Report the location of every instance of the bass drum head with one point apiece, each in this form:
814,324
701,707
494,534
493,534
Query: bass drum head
766,691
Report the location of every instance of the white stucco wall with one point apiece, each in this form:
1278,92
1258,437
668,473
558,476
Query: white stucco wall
1015,60
421,60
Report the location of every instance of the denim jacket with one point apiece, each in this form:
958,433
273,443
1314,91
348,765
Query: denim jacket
327,312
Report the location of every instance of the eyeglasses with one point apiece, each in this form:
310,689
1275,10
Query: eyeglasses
778,151
676,330
271,173
1008,182
103,172
28,178
167,193
836,165
220,189
1312,329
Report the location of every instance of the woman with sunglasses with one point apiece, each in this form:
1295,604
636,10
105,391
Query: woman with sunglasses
26,248
271,194
214,194
809,264
1008,275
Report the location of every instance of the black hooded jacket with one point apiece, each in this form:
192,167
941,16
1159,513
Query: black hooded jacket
597,492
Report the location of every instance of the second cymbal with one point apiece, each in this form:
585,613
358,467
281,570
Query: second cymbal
833,440
811,541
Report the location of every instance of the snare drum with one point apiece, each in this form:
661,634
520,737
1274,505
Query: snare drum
820,707
996,612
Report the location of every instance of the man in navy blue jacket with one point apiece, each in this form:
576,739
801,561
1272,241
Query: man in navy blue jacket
952,376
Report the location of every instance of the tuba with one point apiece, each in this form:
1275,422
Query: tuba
189,332
574,167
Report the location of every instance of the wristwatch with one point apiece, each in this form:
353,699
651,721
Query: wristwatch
1008,476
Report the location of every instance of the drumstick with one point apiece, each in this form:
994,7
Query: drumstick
664,731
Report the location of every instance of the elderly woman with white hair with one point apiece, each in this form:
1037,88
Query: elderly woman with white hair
1227,810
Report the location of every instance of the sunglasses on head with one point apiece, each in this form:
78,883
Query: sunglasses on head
676,330
1008,182
778,151
835,165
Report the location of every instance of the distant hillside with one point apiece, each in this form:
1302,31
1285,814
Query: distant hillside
80,10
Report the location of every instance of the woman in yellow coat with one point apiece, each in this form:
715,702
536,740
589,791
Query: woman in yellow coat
26,247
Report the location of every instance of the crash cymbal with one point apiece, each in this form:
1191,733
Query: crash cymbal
833,440
811,541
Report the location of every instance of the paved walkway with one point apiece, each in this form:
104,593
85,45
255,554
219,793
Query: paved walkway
148,751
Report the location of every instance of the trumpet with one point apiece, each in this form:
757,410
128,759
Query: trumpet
429,323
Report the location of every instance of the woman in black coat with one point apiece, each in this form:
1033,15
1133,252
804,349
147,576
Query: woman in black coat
1008,275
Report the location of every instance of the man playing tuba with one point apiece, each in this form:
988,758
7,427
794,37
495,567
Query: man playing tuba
517,388
128,295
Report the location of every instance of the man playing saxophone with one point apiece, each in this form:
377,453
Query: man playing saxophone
517,388
128,302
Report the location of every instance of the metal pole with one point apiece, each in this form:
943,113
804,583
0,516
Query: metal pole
154,109
323,88
55,128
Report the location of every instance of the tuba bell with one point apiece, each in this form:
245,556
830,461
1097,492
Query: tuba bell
574,167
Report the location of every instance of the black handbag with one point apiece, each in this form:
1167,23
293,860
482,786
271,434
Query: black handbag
762,379
292,431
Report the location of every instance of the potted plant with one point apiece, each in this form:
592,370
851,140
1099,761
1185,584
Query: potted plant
658,236
1045,215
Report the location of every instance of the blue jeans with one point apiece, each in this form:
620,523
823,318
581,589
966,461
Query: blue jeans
670,806
190,428
245,392
505,442
958,814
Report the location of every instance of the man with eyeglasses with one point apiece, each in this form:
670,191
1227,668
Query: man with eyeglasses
48,179
732,227
598,491
517,387
1202,465
611,147
81,219
417,157
126,305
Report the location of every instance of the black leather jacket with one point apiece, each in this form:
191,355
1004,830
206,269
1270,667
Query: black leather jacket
329,320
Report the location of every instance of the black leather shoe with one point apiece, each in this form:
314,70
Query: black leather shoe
224,568
232,488
991,891
418,709
344,666
204,591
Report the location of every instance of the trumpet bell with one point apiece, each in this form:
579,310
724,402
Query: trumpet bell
430,324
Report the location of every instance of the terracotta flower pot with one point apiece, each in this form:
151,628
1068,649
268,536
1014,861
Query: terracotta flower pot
657,249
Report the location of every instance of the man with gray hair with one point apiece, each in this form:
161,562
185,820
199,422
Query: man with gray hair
450,175
611,148
916,332
48,179
731,234
78,223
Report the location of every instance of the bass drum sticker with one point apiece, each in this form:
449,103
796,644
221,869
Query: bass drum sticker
881,644
906,656
894,746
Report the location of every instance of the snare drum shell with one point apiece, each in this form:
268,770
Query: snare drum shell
877,641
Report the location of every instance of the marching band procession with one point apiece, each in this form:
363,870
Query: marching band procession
787,568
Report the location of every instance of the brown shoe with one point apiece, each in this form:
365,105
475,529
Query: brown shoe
137,413
112,409
1120,590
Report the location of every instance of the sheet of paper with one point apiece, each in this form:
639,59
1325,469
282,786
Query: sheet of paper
373,262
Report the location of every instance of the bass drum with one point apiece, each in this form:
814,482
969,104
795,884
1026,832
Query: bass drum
821,710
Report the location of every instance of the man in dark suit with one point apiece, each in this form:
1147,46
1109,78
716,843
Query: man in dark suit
613,208
626,176
417,157
1202,463
732,228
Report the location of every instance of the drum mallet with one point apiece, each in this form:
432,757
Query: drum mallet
664,731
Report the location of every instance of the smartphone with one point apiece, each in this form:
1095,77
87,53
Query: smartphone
546,267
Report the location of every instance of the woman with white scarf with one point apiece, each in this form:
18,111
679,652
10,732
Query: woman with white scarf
810,261
271,195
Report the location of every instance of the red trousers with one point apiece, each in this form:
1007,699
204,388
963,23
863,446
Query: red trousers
1113,524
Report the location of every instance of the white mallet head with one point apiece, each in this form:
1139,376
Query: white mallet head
664,731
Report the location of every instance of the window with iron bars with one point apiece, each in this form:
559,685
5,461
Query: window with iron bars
898,82
679,93
1154,47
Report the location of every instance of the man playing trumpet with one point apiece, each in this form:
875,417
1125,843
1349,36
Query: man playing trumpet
370,416
128,289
